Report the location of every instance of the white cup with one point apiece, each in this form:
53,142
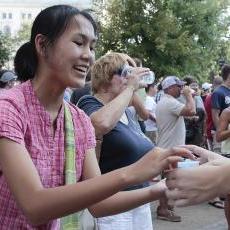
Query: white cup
187,163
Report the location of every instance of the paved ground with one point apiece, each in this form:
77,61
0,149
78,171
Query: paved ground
200,217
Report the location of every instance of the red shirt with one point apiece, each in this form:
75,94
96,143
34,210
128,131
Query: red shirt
24,120
209,121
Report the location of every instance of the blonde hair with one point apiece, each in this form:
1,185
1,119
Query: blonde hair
105,67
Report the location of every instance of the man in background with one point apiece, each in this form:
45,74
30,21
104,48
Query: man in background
171,127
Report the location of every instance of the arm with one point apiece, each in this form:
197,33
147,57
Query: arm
223,132
121,201
107,117
216,104
215,117
126,200
41,204
189,108
140,108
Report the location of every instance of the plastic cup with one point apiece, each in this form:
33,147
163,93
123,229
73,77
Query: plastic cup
187,164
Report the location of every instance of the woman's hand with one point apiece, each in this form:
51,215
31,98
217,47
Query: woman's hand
155,161
134,77
195,185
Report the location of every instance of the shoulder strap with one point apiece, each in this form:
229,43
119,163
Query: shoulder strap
70,222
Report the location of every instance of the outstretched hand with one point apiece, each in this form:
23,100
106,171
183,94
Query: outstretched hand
157,160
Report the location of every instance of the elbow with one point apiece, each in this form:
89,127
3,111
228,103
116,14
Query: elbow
33,215
102,128
35,210
144,114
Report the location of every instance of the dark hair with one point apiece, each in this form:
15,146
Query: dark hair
52,23
24,62
225,72
189,80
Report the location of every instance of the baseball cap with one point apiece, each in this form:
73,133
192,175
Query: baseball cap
206,86
171,80
7,76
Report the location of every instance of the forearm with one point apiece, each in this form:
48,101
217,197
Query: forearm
124,201
190,105
222,135
225,186
106,118
215,117
46,204
139,107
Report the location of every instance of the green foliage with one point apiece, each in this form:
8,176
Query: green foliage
9,45
171,36
5,48
23,35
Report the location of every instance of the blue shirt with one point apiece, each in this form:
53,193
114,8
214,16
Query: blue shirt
221,98
123,145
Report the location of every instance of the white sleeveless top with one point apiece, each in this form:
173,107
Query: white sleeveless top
225,145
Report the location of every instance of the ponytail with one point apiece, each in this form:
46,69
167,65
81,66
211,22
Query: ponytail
25,62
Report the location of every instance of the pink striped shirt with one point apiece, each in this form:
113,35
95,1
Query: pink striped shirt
24,120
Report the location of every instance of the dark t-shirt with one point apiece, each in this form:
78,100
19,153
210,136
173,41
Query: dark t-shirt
80,92
123,145
221,98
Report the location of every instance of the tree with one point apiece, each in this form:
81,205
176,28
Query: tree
5,48
23,35
176,37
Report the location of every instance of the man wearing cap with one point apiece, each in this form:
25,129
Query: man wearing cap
206,90
7,78
171,127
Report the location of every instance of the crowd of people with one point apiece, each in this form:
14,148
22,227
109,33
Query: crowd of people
79,133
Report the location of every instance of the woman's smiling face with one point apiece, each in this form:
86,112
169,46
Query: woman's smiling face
71,56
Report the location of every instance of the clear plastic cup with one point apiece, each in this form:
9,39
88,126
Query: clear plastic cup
148,78
187,163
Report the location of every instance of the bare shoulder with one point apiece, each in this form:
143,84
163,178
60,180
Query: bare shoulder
226,114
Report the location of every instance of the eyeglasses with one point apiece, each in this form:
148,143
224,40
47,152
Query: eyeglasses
123,71
118,72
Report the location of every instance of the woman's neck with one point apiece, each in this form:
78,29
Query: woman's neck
49,95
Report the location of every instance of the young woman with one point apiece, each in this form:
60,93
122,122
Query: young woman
32,152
